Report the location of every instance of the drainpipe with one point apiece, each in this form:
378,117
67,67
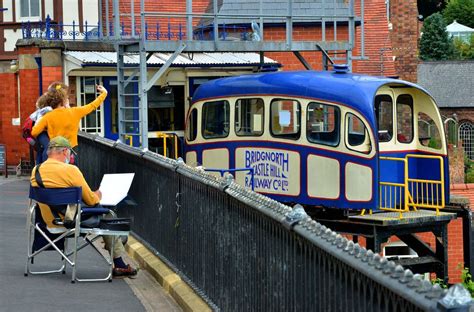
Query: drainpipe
40,74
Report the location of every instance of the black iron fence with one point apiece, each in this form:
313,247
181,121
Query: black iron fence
242,251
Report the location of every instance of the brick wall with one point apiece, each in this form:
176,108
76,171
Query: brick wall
28,85
455,247
51,74
462,113
9,134
378,47
72,91
176,6
404,36
456,163
378,44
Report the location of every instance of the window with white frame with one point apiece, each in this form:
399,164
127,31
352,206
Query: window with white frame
87,92
29,9
466,136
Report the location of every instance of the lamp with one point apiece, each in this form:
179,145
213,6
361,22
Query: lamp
14,66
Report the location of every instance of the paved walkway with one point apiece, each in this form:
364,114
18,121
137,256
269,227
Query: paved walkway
54,292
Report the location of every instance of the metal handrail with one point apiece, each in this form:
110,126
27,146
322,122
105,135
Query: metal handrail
413,185
244,251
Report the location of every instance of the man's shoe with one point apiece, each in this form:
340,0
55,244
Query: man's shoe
124,272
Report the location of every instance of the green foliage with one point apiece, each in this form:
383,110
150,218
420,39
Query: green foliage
464,50
469,177
435,44
468,171
467,164
460,10
434,143
440,282
467,282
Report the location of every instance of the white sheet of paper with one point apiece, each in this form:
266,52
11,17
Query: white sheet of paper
114,187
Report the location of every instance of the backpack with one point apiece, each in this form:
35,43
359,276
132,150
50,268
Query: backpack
26,132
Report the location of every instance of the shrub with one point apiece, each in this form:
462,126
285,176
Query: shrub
464,50
435,44
460,10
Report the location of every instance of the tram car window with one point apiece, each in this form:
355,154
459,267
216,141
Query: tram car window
215,119
249,117
368,142
428,133
384,113
285,118
192,127
323,123
357,135
404,118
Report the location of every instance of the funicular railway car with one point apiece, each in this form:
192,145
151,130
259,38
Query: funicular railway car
323,139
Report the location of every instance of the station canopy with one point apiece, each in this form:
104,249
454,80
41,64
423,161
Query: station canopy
95,58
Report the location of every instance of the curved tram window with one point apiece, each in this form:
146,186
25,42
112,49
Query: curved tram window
357,134
384,113
322,124
428,132
249,117
192,125
215,119
404,118
285,118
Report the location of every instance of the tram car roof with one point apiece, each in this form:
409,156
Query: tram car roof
353,90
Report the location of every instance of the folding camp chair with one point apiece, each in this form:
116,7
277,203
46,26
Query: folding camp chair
55,234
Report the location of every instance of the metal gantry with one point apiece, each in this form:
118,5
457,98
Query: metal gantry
209,34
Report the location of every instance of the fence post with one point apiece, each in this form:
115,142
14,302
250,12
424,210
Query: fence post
73,30
169,30
85,33
61,30
99,30
48,27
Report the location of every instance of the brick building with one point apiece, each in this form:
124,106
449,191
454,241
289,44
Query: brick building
451,84
19,63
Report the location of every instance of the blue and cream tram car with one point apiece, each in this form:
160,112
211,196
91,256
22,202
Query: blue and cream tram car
329,139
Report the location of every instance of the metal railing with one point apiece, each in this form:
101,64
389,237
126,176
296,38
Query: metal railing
233,171
242,251
50,30
174,139
413,192
426,193
394,195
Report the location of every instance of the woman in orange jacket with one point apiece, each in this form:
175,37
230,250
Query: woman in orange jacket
64,120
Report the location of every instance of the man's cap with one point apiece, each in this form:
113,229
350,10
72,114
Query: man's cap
60,141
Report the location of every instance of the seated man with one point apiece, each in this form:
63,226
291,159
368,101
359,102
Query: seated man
55,172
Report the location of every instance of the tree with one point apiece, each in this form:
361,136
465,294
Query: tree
435,43
464,50
460,10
